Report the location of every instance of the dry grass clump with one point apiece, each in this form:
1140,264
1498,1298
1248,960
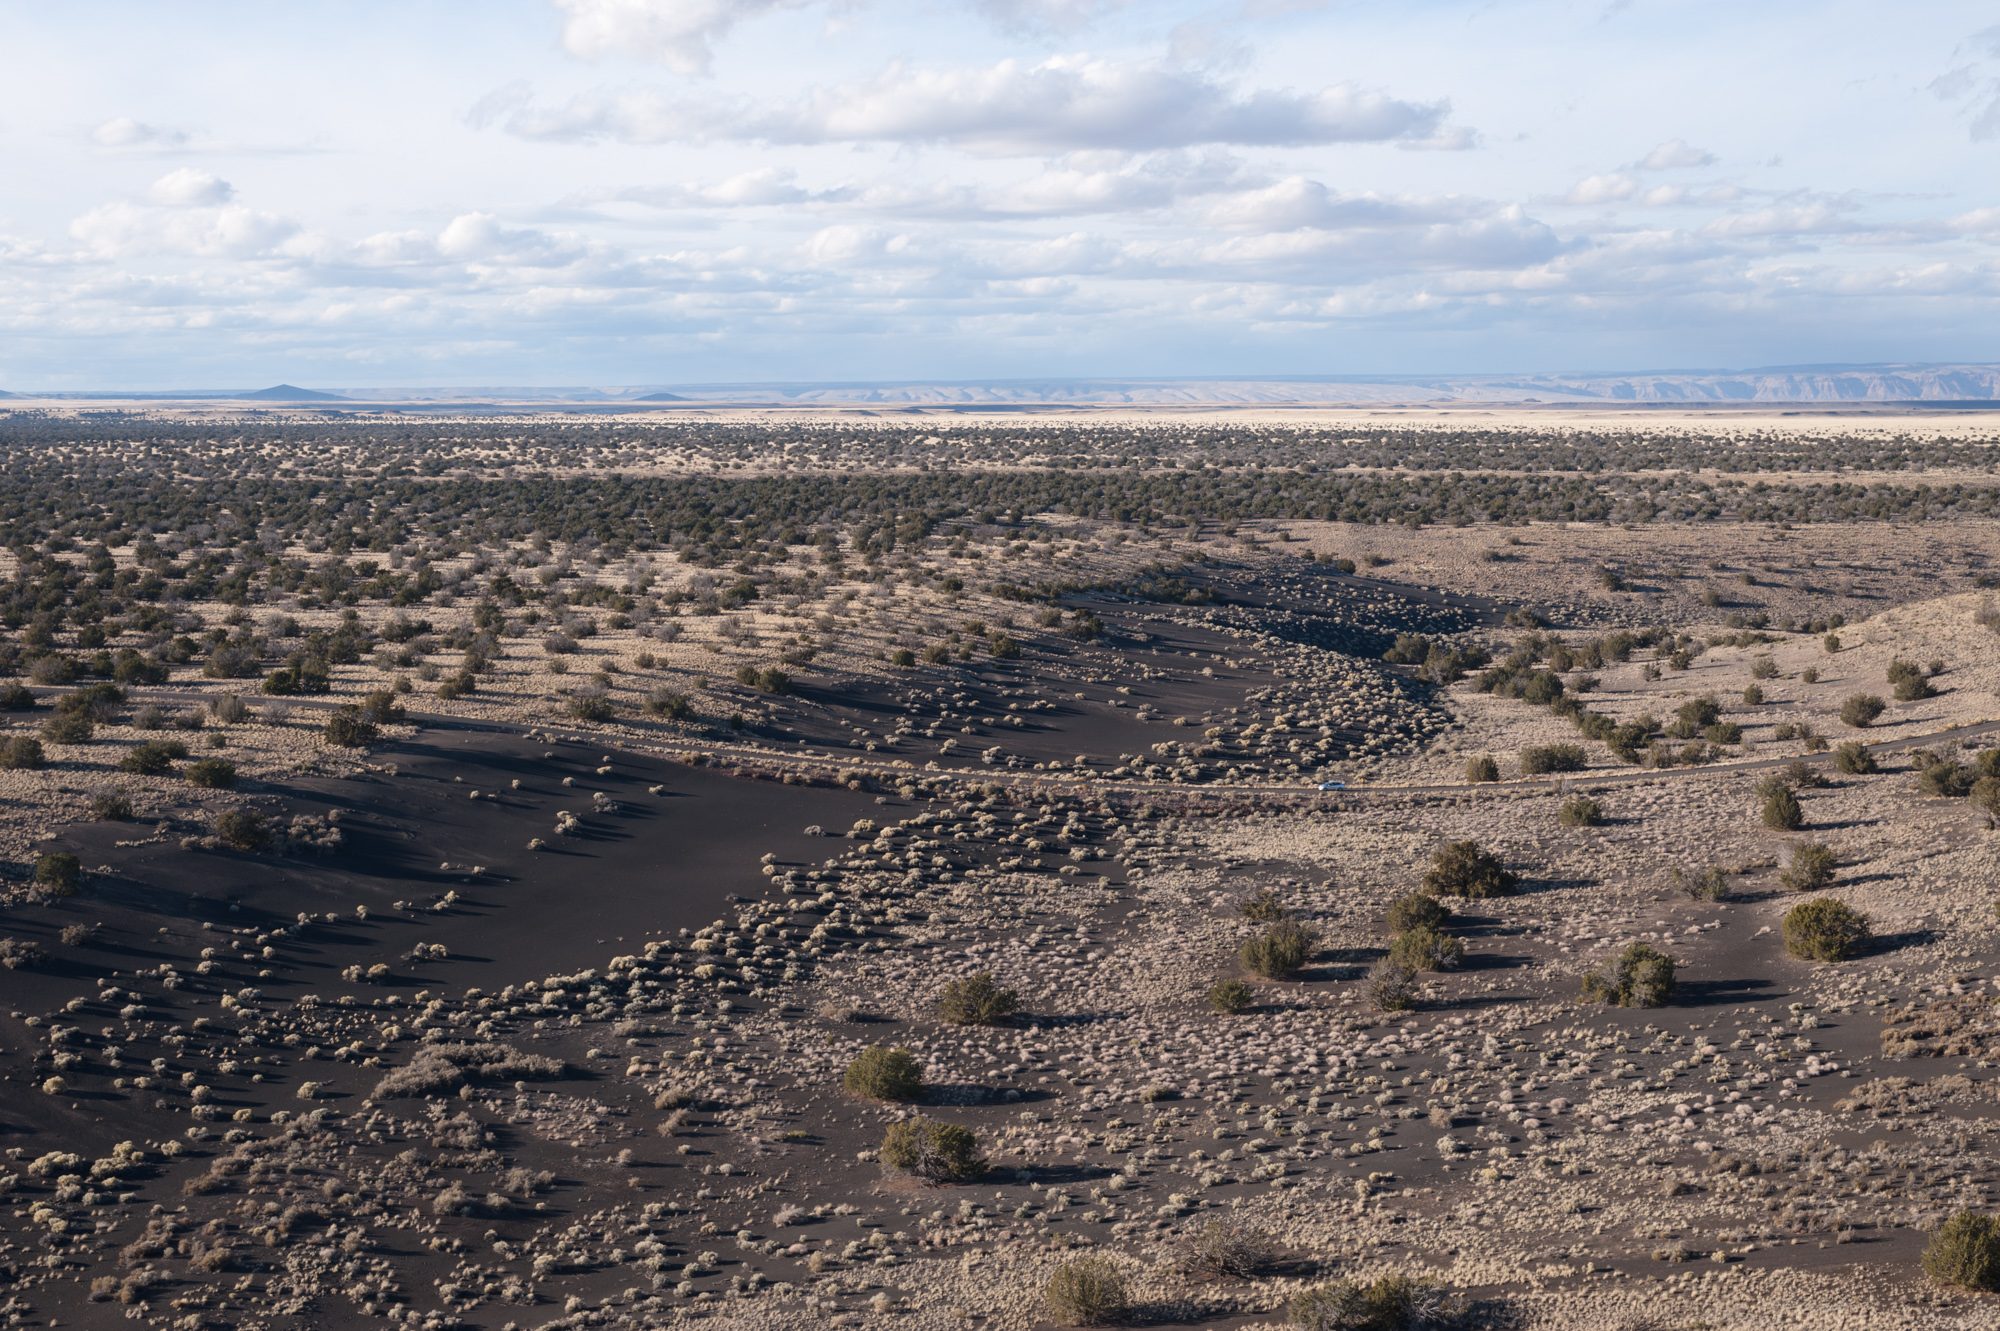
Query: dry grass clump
1087,1291
438,1068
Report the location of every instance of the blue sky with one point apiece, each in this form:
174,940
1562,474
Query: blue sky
623,192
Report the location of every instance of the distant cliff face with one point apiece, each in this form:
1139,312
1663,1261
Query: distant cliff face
1859,383
1783,384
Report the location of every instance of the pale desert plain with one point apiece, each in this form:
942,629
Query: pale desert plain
1367,869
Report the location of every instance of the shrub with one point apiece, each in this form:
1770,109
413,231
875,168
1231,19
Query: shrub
1264,906
1464,869
347,729
1763,668
1753,696
1394,986
16,697
1946,780
22,753
881,1072
1389,1303
1825,929
1780,808
1908,681
1415,910
240,829
1228,1250
111,807
58,873
1279,951
1811,869
1985,796
933,1151
1965,1252
1425,949
1860,710
69,728
1547,758
590,705
381,708
1810,674
228,710
1482,768
154,757
1639,977
1231,996
1086,1291
1706,884
1852,758
670,704
1581,811
212,773
977,1000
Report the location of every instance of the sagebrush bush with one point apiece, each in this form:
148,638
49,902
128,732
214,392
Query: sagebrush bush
1852,758
1780,808
240,829
1825,929
1227,1250
58,873
1464,869
1279,952
1388,1303
346,729
935,1152
883,1072
1264,906
1965,1252
1087,1291
1861,710
977,1000
211,774
1811,869
1417,910
1231,996
1638,977
1394,986
1482,768
22,753
1580,811
1425,949
1545,758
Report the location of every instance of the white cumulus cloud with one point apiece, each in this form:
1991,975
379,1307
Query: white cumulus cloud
187,187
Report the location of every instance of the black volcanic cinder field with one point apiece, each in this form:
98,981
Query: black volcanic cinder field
808,869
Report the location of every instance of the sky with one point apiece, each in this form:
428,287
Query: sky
231,193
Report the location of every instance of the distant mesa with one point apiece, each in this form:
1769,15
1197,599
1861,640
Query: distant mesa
290,393
660,397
